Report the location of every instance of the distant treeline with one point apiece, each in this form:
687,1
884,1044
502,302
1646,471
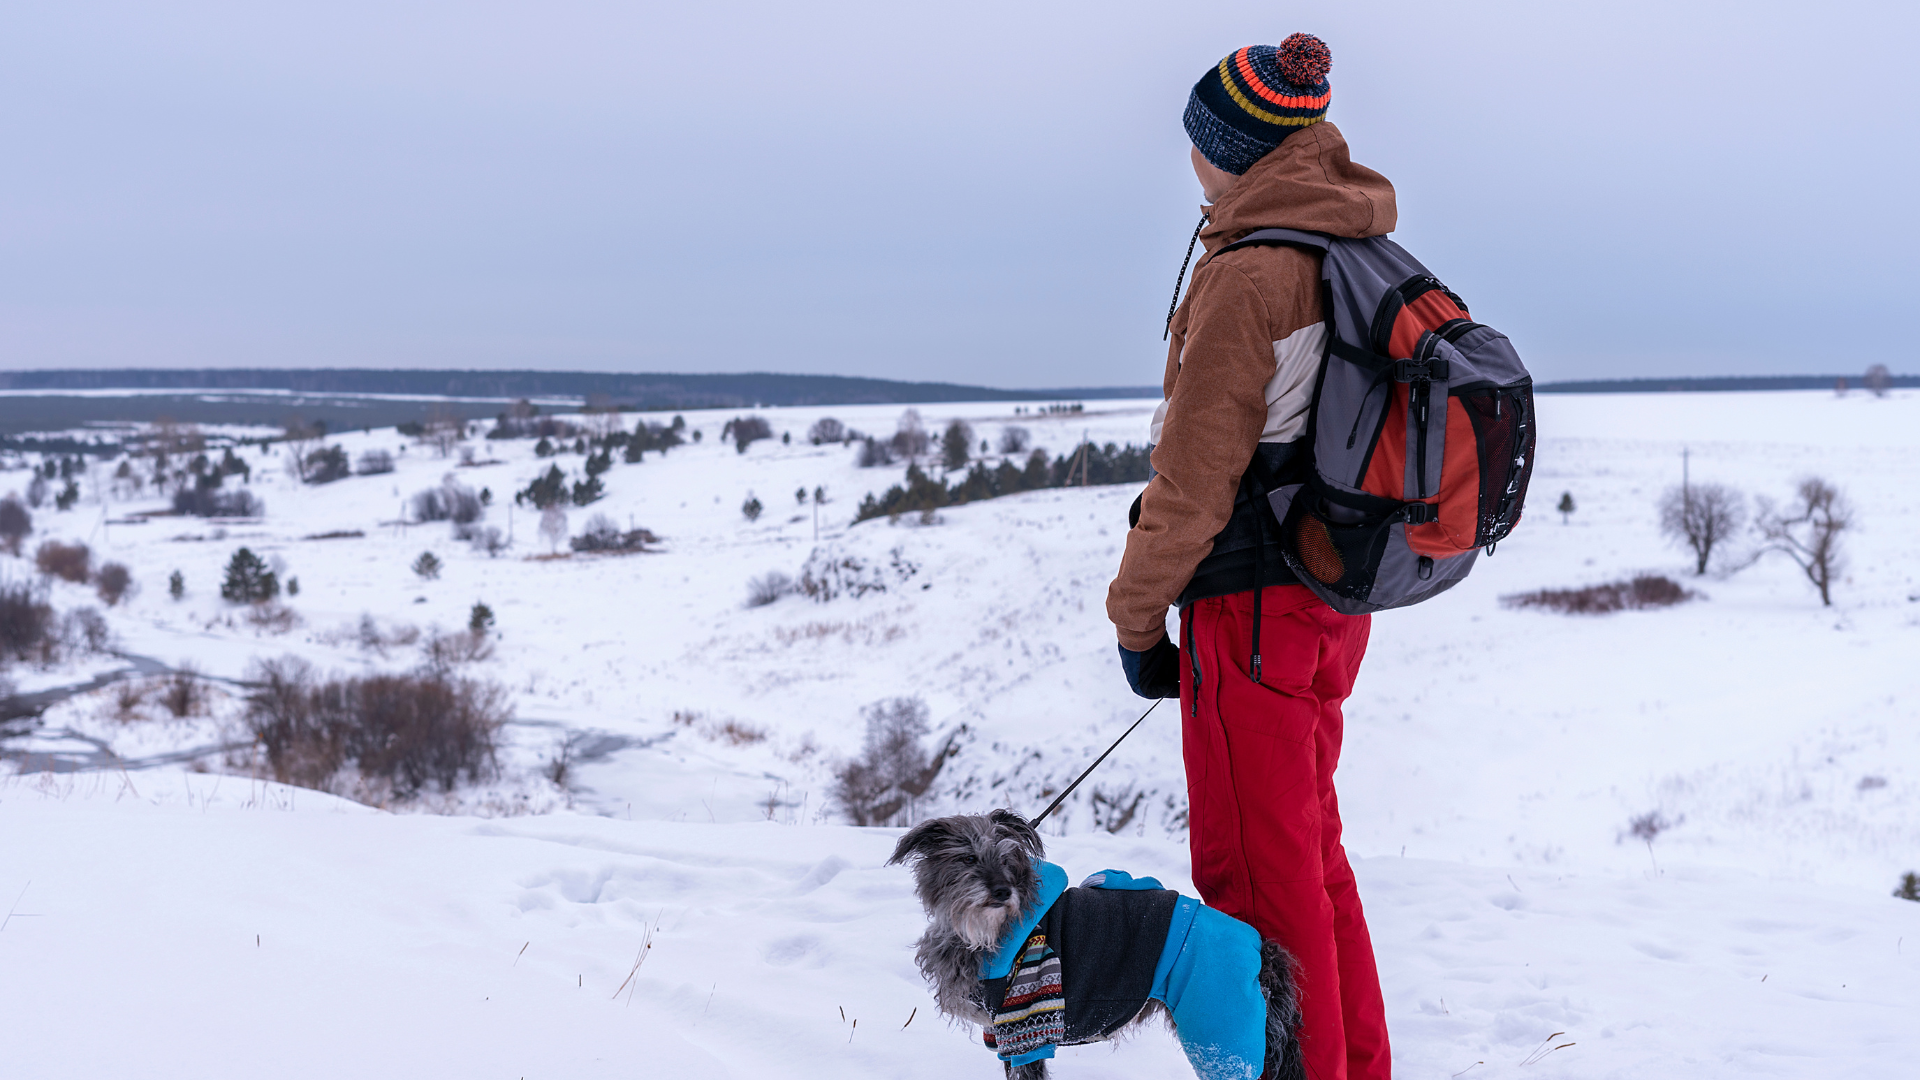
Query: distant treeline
1089,464
1716,383
644,391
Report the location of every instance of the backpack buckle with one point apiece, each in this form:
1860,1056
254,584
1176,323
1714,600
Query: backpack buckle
1408,370
1419,513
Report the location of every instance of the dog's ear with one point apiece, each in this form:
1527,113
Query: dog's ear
920,839
1011,826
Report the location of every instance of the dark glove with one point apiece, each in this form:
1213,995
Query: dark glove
1154,673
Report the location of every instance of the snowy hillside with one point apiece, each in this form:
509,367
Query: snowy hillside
1495,764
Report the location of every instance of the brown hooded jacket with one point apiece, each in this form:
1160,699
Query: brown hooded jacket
1246,345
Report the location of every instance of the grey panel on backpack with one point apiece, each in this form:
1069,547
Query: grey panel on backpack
1397,582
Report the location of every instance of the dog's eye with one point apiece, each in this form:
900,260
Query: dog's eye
969,859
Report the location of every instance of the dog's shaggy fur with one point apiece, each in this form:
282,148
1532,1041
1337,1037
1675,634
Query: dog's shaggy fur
974,874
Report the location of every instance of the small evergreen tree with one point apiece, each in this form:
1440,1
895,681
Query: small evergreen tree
1565,507
955,445
549,489
293,586
427,566
751,507
1909,886
480,619
590,490
543,448
248,580
176,585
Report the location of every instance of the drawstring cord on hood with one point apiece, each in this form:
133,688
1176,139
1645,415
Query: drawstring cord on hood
1177,282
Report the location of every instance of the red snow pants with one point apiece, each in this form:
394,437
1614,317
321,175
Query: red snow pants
1263,821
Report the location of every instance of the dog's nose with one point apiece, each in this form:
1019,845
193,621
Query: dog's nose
1002,895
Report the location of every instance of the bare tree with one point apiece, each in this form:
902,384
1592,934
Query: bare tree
15,523
302,440
553,526
1701,516
1808,531
1879,380
443,430
910,438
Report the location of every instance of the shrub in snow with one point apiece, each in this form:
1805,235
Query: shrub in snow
85,628
1014,440
37,491
480,619
1566,507
375,462
1808,531
112,582
248,581
893,770
427,566
293,586
767,588
830,573
543,448
26,622
444,652
746,430
602,534
1644,591
212,502
1697,516
68,495
488,539
15,524
956,445
751,508
600,462
874,453
826,430
406,732
183,693
1909,886
176,585
327,465
68,562
451,501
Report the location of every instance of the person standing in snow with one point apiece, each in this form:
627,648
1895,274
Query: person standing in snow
1260,736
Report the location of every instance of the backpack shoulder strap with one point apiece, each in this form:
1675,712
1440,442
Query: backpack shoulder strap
1299,238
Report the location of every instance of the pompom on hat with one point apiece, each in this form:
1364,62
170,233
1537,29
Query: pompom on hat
1256,97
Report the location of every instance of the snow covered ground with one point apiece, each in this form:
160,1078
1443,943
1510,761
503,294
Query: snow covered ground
1494,761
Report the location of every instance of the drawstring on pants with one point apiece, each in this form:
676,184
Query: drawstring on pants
1177,282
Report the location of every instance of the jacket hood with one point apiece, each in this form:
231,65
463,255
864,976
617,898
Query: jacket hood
1308,182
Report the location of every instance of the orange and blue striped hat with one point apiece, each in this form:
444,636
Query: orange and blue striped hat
1256,97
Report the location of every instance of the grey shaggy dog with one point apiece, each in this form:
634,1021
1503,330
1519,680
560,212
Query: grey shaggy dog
974,874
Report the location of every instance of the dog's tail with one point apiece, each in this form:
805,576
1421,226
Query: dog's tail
1284,1061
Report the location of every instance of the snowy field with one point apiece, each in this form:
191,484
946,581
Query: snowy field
1494,762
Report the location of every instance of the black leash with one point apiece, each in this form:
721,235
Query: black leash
1096,764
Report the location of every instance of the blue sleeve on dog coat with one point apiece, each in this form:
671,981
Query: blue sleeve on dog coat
1209,978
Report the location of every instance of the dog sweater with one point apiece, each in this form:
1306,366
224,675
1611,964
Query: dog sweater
1085,961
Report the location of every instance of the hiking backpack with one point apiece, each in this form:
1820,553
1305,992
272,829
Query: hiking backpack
1421,430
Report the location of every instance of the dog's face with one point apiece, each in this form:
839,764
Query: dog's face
973,872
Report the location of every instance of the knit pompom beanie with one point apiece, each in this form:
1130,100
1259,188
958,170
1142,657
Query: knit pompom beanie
1249,102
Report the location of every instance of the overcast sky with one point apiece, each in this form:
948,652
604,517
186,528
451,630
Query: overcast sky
987,192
